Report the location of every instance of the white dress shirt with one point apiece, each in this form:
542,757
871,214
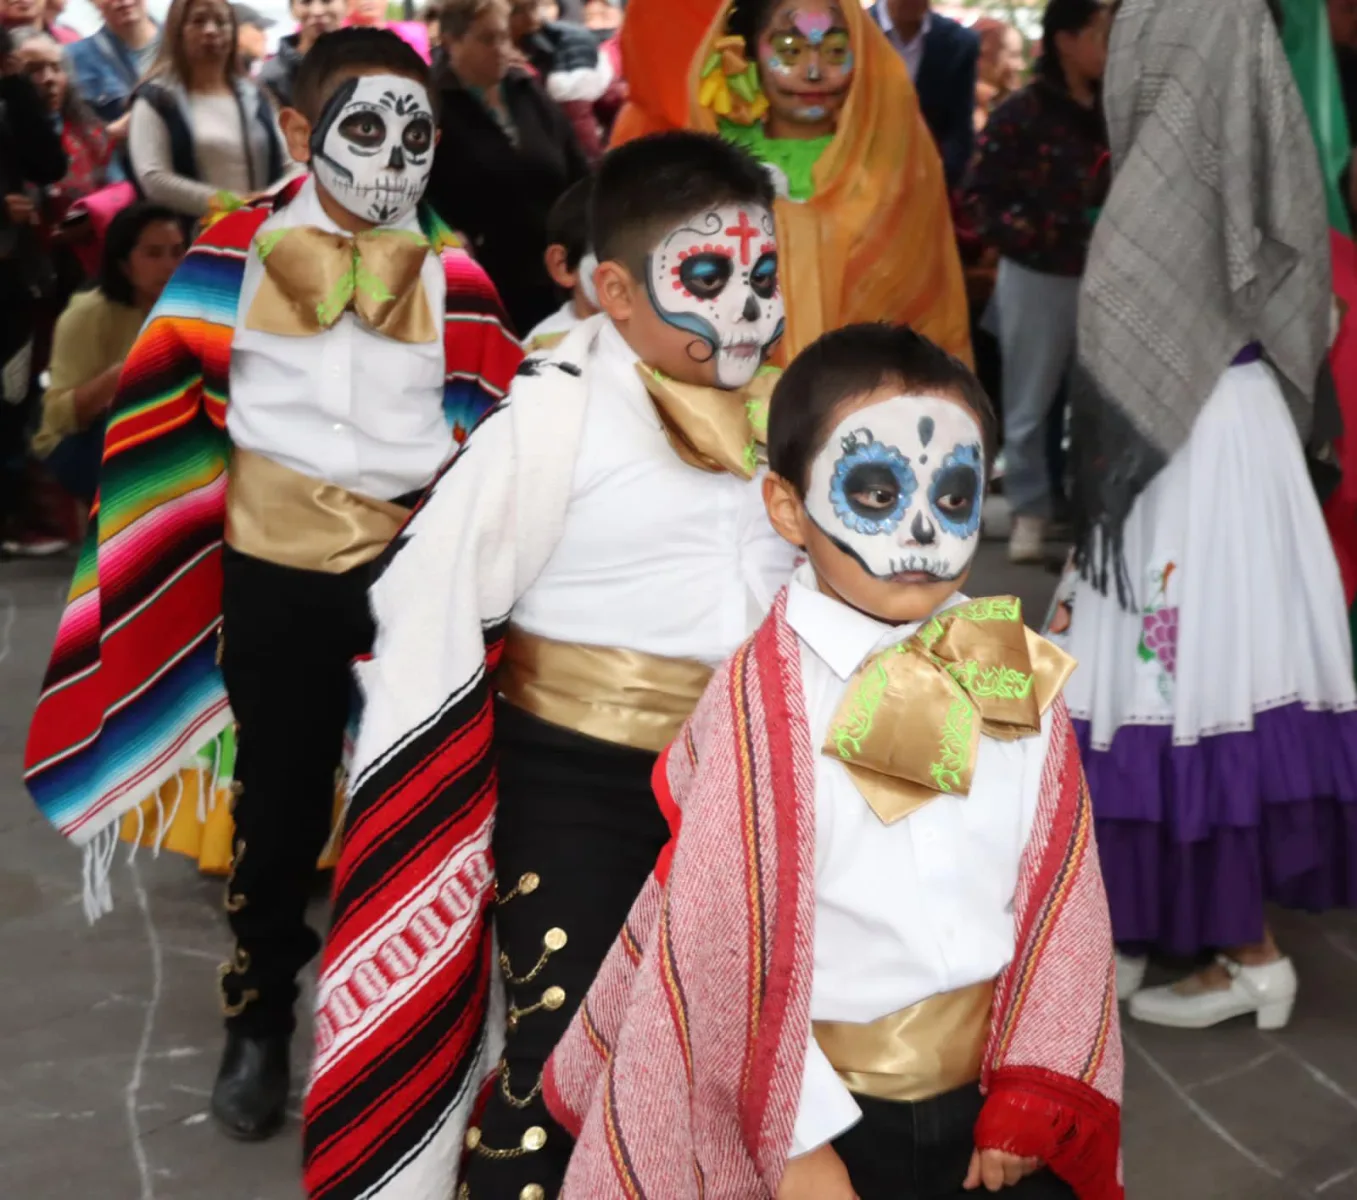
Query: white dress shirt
655,556
347,406
904,911
911,51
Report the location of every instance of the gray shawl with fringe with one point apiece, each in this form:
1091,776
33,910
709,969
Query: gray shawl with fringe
1214,236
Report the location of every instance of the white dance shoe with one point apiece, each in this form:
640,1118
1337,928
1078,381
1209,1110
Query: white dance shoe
1268,992
1130,975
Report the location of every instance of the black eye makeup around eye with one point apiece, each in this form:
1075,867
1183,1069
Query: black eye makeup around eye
871,489
763,277
706,275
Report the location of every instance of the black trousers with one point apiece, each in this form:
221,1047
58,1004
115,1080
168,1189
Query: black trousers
921,1151
577,834
288,639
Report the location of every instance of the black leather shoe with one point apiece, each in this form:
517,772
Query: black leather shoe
249,1099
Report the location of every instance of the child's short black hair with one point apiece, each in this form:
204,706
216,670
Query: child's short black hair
568,221
357,50
646,187
852,362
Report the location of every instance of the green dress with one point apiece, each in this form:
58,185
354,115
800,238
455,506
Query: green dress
794,157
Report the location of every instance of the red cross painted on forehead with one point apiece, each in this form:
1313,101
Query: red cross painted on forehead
746,233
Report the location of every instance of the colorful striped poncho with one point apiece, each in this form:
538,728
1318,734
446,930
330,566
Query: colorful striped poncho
681,1072
133,695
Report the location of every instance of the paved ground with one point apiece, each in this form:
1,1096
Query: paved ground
109,1035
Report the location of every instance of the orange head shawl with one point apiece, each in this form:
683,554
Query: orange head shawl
875,242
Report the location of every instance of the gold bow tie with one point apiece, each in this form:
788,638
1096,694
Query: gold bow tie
711,428
312,277
910,723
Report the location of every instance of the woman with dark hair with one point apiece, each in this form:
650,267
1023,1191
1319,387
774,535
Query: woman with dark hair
1038,178
201,136
506,154
89,151
142,248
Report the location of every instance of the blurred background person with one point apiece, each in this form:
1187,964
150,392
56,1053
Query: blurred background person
576,75
200,134
142,248
64,34
602,17
313,17
1000,70
941,55
31,158
22,14
506,154
252,39
1040,173
109,64
372,13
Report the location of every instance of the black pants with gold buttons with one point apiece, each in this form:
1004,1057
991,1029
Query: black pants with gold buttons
289,638
576,835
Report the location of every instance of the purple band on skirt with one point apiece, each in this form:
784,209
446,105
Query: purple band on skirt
1195,839
1251,353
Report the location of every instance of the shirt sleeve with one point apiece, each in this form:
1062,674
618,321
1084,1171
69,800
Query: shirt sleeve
827,1108
77,357
148,148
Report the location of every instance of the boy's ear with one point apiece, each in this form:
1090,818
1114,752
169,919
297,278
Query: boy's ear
296,133
786,511
562,276
617,291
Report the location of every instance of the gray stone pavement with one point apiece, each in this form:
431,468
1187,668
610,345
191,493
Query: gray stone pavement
109,1034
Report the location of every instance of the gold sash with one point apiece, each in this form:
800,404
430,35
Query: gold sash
711,428
620,696
285,517
914,1054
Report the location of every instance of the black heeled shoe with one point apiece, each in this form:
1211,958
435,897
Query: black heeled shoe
249,1098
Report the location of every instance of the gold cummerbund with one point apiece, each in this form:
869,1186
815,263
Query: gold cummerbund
285,517
917,1053
620,696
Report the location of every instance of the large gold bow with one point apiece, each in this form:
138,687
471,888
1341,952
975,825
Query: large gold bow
711,428
311,277
907,729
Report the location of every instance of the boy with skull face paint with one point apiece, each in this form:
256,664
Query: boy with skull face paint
600,540
308,370
874,962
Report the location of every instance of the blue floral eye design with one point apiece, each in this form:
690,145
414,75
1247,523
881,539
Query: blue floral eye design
957,491
872,486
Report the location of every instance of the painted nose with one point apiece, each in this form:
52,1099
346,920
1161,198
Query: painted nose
813,71
397,159
923,530
751,308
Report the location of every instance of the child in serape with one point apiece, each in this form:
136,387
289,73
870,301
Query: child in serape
571,263
601,543
875,960
300,381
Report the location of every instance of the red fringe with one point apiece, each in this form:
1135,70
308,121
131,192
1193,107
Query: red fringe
1073,1129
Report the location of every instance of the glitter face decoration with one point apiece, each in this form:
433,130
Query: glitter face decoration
715,277
806,60
372,148
899,485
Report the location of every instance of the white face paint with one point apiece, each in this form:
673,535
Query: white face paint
899,485
372,149
715,276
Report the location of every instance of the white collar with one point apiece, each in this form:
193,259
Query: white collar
888,26
841,636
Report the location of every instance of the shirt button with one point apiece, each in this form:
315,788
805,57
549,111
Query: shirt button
338,428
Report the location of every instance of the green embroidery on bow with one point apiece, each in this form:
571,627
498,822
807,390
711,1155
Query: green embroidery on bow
988,608
954,747
359,279
990,683
266,243
849,736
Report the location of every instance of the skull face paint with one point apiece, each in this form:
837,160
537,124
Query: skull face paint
805,60
899,486
715,277
372,148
